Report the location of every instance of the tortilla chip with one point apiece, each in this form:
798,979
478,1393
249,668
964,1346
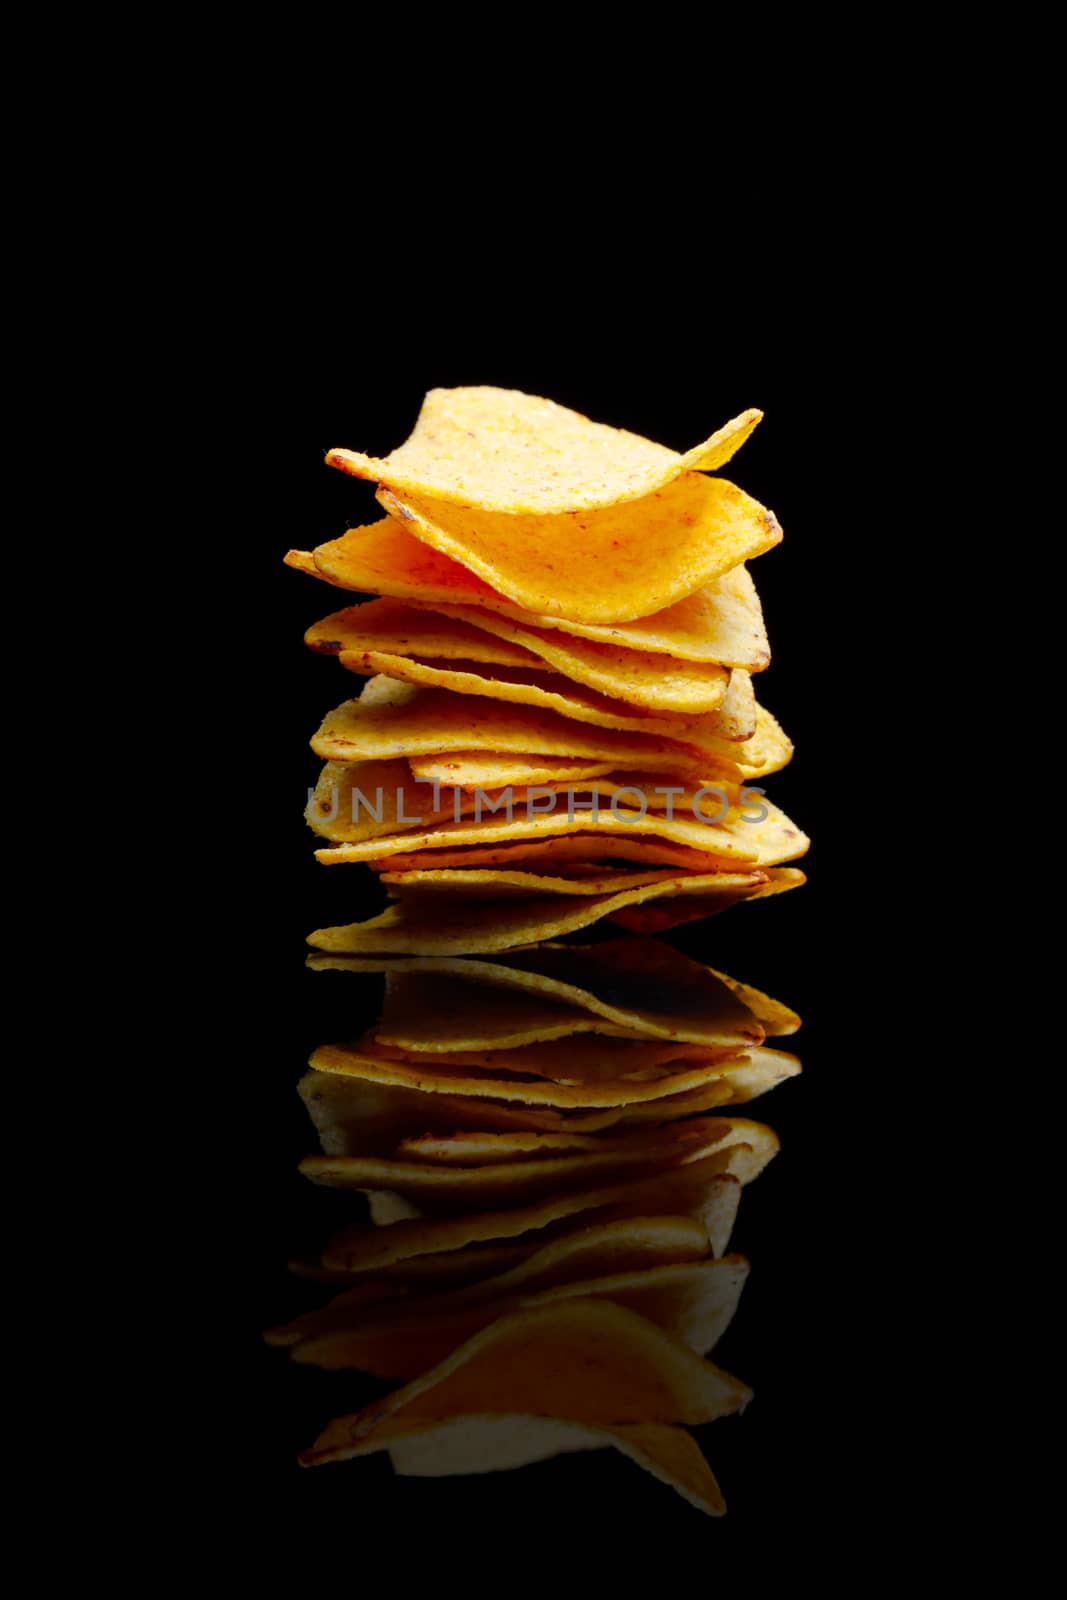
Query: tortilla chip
595,1250
449,1269
356,801
733,722
507,451
682,908
760,1071
641,678
579,1058
425,1071
776,1019
489,1149
645,682
706,1190
769,750
480,769
721,802
413,925
608,565
441,1187
586,1359
560,1253
389,625
572,853
490,882
694,1302
585,1251
738,1081
638,985
721,622
354,1116
401,720
736,842
486,1443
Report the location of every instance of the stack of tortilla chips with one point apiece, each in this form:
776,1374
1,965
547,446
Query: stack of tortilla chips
560,724
544,1130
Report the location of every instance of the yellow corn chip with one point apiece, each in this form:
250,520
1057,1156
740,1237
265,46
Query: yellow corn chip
489,1149
721,622
641,678
414,926
398,719
694,1302
706,1190
683,908
512,452
574,853
455,1446
443,1187
435,1077
737,842
582,1058
775,1018
713,733
354,1116
602,566
478,769
490,882
587,1359
405,630
640,986
583,1252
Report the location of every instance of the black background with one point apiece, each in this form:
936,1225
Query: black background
829,1308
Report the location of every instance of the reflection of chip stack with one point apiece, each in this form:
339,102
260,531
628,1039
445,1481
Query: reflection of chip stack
559,728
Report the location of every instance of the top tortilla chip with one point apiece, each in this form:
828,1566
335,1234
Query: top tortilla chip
506,451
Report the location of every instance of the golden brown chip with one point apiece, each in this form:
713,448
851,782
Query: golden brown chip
481,769
413,925
489,1149
640,677
511,452
444,1187
659,916
406,630
507,883
736,842
584,1251
640,986
355,801
399,719
721,622
476,925
586,1359
776,1019
574,853
496,1443
714,734
692,1301
707,1190
435,1076
358,1116
578,1058
608,565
